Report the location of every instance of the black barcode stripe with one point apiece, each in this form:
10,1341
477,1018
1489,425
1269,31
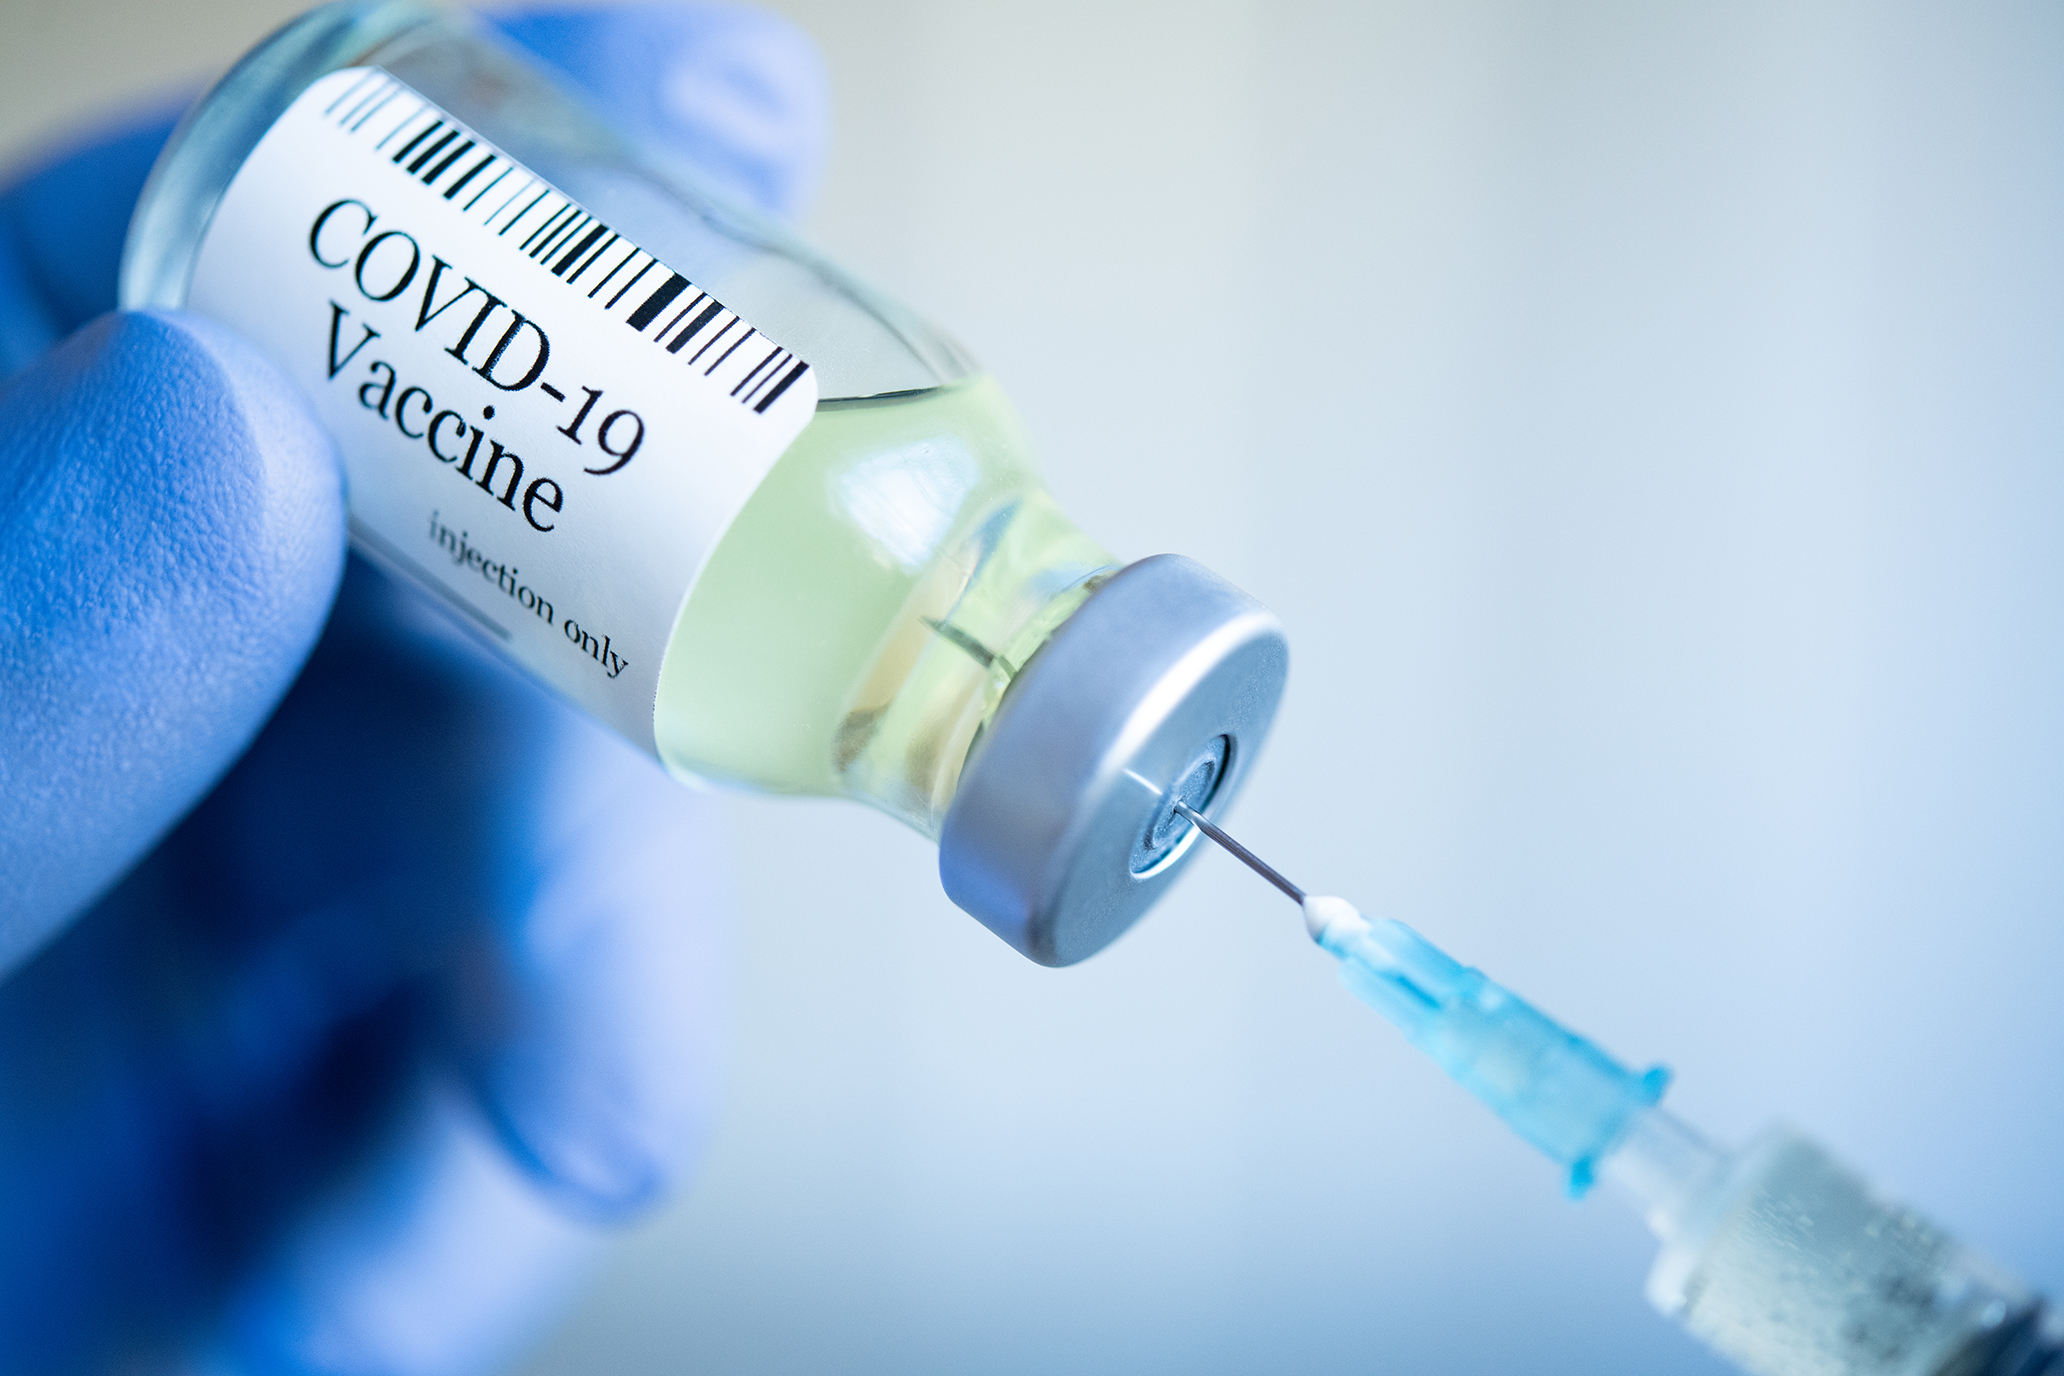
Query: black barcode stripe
612,273
444,165
517,218
420,110
781,387
352,90
549,206
513,197
710,312
779,358
657,302
712,341
538,240
650,264
786,357
543,225
723,357
470,173
771,356
428,153
498,177
610,276
562,237
425,132
681,314
593,258
558,237
375,109
573,254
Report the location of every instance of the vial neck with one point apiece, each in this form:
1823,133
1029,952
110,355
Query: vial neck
970,625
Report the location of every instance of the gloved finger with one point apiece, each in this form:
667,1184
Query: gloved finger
424,864
564,891
171,535
230,1037
446,1258
156,1192
472,831
177,1088
443,1262
739,93
61,232
587,1017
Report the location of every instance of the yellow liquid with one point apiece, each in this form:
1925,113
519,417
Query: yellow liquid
862,616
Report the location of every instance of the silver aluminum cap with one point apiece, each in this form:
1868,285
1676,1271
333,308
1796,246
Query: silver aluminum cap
1159,688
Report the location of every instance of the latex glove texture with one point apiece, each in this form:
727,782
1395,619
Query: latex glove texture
394,974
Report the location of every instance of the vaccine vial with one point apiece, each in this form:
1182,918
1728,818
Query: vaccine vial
760,519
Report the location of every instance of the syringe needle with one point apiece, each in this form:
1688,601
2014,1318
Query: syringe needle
1240,852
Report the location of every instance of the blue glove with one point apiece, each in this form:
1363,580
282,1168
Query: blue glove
353,978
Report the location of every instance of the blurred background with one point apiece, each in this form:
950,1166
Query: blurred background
1649,420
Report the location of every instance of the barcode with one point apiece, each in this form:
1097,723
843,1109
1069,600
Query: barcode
514,204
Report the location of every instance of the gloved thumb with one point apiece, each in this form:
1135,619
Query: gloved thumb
171,535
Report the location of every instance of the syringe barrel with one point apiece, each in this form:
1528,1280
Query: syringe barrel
1790,1264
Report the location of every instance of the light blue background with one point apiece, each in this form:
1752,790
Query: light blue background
1648,418
1649,421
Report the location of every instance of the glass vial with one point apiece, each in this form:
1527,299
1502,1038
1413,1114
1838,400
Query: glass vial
763,521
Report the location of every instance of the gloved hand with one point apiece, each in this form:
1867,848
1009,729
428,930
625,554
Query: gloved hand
376,1007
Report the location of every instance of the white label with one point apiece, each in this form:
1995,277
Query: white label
461,327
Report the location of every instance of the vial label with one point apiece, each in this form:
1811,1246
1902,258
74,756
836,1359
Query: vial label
540,422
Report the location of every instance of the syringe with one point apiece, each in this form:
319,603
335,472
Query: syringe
1777,1256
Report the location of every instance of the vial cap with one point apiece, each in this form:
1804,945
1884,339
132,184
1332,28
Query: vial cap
1159,689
